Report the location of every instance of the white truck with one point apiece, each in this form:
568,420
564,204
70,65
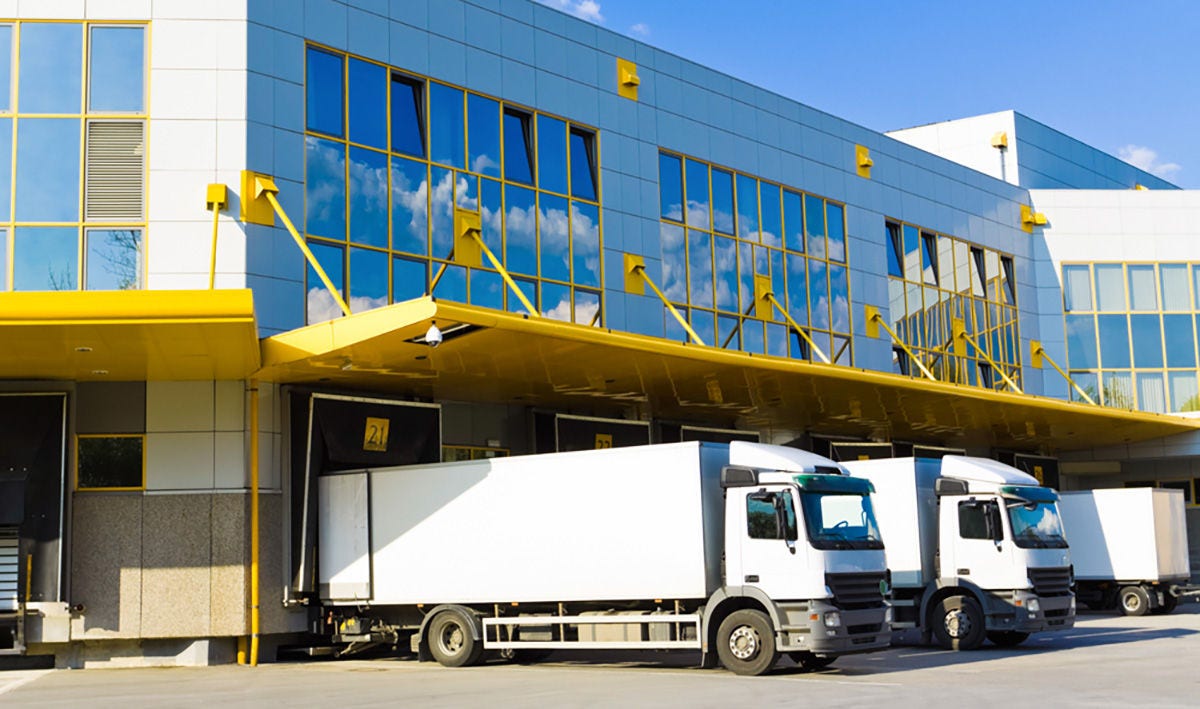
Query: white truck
743,551
975,549
1129,547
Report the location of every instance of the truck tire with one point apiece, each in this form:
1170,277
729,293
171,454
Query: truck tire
1134,601
810,662
1007,638
451,642
958,623
746,643
1168,605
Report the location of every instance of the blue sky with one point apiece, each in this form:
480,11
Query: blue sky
1122,76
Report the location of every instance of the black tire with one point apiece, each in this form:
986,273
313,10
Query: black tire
1133,601
525,656
1007,638
810,662
451,642
1169,604
746,643
958,623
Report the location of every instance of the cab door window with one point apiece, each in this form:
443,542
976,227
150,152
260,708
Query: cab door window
979,520
771,515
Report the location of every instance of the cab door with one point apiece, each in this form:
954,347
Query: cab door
770,559
981,553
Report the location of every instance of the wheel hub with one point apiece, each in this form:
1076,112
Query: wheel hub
958,624
452,639
743,642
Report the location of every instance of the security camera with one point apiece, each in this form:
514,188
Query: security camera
433,336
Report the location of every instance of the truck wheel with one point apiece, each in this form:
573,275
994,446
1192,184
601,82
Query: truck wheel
1134,601
1007,638
746,643
1169,604
810,662
958,623
451,642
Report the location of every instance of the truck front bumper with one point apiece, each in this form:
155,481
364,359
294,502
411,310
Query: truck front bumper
1026,612
822,628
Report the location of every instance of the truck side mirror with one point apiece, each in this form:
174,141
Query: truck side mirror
995,525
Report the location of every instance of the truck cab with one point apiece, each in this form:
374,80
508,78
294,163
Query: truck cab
979,550
801,537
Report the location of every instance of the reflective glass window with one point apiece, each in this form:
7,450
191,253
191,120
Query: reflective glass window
818,294
1081,342
722,201
837,231
797,288
1196,285
441,215
697,195
518,147
747,207
554,231
408,279
410,207
324,92
753,338
408,116
487,289
112,259
5,168
929,274
325,188
520,243
466,191
6,66
453,284
368,279
978,273
45,258
895,251
778,280
552,154
704,323
587,307
556,302
483,122
583,164
726,271
47,190
945,262
1114,341
320,304
447,133
1088,382
839,298
777,340
1179,340
745,275
1185,396
674,257
700,268
728,333
1175,293
585,244
491,215
793,221
962,267
368,198
368,104
1077,288
1143,291
670,187
912,254
51,67
1110,287
529,288
3,259
1151,393
116,69
1118,390
772,214
1147,340
814,225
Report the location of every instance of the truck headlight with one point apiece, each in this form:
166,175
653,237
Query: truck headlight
1072,604
1033,605
889,615
833,619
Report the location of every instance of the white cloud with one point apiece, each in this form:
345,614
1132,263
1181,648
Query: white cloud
1147,159
641,29
583,9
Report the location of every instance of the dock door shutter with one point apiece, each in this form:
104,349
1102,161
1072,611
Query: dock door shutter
577,433
1044,469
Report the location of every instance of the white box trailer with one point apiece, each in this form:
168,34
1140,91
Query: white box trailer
1129,548
677,546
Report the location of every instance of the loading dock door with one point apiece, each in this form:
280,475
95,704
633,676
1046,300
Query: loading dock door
578,433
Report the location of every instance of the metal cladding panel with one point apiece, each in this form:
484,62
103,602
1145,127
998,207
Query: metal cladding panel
623,523
1134,534
906,508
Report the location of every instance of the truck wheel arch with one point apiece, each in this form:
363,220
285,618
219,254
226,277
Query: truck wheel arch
472,618
930,601
728,600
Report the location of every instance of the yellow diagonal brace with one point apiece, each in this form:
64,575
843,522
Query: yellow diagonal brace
216,197
312,260
504,273
796,326
1039,353
641,270
960,332
874,317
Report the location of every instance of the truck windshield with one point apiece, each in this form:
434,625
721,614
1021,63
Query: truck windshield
840,521
1036,525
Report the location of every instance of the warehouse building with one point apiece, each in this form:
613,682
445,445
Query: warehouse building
244,244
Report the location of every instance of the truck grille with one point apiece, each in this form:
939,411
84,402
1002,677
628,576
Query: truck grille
856,590
1051,581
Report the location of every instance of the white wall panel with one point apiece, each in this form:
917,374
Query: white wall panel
179,406
179,461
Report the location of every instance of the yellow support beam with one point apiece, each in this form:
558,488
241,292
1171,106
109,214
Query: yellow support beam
468,245
255,613
1038,353
216,198
764,299
960,335
635,277
875,321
